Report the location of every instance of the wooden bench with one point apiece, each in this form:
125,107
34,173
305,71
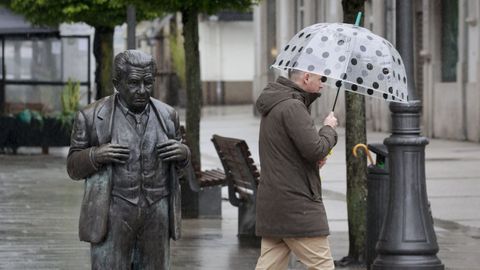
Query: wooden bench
208,178
242,180
202,196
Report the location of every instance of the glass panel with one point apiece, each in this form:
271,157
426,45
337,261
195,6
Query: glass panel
48,59
42,98
83,96
449,40
75,63
32,60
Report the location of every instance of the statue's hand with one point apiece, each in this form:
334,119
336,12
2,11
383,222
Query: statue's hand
172,150
111,153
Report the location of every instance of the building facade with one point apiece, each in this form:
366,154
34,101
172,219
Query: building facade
226,48
226,57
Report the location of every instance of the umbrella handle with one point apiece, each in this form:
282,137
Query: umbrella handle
336,97
365,148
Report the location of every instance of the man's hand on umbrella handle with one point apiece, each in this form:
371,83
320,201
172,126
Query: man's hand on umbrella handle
331,120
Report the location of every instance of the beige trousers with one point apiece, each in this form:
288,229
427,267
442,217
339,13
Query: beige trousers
314,252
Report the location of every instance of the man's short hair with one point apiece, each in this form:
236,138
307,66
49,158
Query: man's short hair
134,58
294,74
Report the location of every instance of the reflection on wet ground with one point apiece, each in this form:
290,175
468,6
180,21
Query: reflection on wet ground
39,210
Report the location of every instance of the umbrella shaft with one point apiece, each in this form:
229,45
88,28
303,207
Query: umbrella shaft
336,97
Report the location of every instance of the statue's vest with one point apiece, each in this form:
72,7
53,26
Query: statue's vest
143,175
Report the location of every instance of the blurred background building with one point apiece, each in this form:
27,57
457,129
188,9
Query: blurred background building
226,45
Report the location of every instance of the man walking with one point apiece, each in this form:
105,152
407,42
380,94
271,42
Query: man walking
290,212
127,148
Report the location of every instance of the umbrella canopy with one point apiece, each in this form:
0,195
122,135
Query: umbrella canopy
350,57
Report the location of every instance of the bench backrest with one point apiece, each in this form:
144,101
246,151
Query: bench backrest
242,174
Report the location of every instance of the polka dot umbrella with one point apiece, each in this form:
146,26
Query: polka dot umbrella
349,57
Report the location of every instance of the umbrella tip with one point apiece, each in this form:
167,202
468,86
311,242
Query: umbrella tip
359,17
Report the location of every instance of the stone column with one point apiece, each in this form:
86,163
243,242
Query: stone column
265,30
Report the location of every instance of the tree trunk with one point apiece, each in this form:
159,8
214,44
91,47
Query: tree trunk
103,51
193,84
355,133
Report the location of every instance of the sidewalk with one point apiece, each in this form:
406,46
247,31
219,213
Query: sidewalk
39,205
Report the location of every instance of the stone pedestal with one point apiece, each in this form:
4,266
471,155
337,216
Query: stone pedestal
206,203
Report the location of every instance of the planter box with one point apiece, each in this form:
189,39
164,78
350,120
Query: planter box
54,134
7,127
28,134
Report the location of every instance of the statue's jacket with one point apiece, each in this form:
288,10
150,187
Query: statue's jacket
100,123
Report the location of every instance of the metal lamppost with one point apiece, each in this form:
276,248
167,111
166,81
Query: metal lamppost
407,239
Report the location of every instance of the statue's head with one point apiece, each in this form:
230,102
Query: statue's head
134,77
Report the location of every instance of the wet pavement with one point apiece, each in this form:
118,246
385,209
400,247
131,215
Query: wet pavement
39,205
39,209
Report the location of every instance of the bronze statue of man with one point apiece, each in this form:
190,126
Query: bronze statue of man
127,148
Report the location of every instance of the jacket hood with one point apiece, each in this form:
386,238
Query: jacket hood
281,90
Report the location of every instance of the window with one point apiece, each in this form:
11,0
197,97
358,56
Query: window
37,70
449,40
